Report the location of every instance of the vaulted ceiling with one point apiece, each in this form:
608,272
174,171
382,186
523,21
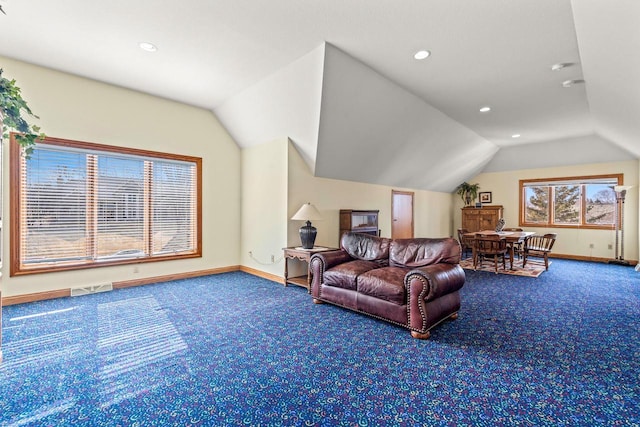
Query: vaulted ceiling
339,77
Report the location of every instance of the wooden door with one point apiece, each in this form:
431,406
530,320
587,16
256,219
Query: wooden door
401,215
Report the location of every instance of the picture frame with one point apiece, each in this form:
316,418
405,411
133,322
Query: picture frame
485,197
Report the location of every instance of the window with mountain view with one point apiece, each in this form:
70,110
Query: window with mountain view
580,202
79,205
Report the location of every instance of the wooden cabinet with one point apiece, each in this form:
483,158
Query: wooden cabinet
484,218
359,221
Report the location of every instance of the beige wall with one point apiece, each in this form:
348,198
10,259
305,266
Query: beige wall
276,182
505,187
71,107
432,210
249,195
264,206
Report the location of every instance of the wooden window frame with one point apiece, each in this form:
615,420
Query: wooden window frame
15,198
583,224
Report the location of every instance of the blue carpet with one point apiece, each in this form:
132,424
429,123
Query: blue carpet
233,349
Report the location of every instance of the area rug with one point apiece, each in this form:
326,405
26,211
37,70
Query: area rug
533,268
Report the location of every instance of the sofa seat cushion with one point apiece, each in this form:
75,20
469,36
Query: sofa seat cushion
344,275
385,283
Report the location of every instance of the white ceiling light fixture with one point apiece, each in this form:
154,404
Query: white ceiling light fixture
516,135
569,83
559,66
485,109
148,47
422,54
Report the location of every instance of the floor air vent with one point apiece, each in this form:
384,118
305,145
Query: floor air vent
86,290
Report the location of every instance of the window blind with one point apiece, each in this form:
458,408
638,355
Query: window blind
89,207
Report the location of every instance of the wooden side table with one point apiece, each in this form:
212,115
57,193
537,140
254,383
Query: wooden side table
299,253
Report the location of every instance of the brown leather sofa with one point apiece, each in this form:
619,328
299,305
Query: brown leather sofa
409,282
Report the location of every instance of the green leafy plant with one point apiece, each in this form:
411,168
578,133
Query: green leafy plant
13,110
467,192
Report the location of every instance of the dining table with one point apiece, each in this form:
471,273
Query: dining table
511,237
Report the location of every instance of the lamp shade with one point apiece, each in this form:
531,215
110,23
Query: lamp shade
307,212
620,188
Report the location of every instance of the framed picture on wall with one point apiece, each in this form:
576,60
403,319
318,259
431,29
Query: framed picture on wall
485,197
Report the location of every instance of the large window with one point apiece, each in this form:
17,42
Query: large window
578,202
79,205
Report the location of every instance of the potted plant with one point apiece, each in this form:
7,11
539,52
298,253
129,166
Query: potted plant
13,110
467,192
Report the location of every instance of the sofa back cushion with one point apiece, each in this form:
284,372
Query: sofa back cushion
365,246
420,252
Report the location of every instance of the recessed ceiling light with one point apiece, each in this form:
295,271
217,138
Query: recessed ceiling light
559,66
422,54
485,109
515,135
569,83
149,47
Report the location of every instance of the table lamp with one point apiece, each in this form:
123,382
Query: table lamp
308,232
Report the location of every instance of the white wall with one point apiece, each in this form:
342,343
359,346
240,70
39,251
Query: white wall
373,130
287,103
75,108
505,187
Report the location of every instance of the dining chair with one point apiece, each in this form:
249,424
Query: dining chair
465,242
490,246
538,246
517,246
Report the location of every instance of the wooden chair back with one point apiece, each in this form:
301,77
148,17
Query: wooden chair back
540,244
465,242
490,244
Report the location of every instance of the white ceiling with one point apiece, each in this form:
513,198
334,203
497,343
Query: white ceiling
490,52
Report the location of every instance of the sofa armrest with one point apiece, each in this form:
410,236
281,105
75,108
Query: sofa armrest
434,280
432,294
322,261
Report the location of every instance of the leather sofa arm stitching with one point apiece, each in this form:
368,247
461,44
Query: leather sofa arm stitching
320,262
331,258
438,279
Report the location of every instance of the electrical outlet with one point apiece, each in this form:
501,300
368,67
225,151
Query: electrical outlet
273,258
591,245
610,246
136,269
